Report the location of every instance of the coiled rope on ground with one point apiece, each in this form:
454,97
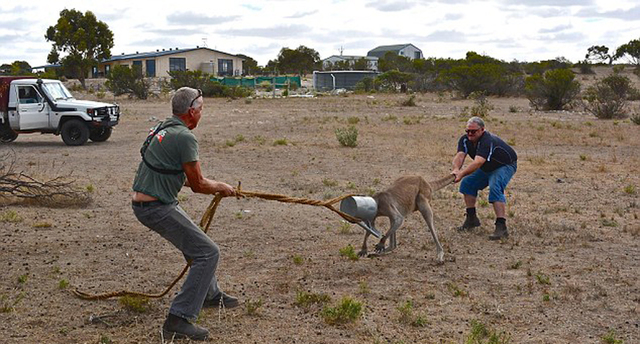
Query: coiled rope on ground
205,223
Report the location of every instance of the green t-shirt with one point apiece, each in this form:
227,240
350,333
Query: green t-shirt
168,150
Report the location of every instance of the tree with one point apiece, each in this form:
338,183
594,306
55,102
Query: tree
393,79
123,79
599,53
631,51
361,64
392,61
84,38
300,61
16,68
249,65
553,91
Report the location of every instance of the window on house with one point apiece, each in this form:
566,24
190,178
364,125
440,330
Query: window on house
177,63
225,67
416,55
151,68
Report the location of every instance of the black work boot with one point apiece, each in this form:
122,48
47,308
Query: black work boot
471,221
501,230
176,327
222,300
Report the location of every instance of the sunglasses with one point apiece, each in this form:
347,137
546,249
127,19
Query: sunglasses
471,131
194,99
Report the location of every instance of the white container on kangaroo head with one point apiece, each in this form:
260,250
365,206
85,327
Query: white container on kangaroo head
364,208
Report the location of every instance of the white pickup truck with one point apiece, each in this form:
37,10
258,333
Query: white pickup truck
30,105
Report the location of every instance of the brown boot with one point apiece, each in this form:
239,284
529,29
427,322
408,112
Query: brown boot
501,231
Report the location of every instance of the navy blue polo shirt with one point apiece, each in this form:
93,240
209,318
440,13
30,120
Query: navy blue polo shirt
497,152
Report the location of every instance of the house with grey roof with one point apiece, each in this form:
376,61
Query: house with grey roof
407,50
372,61
160,62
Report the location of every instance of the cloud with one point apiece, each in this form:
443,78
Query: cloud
552,3
301,14
453,16
631,14
448,36
282,31
391,6
190,18
555,29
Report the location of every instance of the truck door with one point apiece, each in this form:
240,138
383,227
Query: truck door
32,110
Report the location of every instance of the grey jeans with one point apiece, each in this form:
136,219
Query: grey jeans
173,224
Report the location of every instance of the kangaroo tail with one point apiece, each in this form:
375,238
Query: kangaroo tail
442,182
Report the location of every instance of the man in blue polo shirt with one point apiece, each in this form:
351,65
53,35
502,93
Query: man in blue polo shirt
494,163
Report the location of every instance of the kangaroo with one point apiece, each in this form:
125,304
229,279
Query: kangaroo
406,195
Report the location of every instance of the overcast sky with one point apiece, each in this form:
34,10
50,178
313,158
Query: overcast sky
530,30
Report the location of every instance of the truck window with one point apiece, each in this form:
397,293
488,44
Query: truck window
57,91
28,95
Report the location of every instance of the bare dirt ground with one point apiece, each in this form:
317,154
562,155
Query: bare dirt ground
567,274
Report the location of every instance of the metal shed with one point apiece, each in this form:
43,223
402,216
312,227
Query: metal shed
347,79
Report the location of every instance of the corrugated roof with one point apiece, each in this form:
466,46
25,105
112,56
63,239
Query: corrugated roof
153,54
396,47
352,57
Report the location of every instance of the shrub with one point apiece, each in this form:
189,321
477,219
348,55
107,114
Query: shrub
252,306
480,332
482,106
553,91
348,252
305,299
348,310
347,137
608,97
137,304
409,102
585,67
124,80
365,85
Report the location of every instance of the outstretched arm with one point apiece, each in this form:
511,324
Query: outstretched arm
474,165
199,184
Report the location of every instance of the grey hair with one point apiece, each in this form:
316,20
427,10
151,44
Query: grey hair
477,120
182,99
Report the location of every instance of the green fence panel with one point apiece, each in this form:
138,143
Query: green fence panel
280,81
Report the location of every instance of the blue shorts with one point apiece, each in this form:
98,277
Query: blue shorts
496,180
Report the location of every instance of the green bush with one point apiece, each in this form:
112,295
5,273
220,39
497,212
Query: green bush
608,97
365,85
553,91
347,137
124,80
348,310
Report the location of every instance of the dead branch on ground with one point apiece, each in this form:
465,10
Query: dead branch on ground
56,191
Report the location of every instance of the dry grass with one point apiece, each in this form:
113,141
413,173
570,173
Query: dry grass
565,259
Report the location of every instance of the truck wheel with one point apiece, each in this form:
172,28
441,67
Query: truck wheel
7,134
100,134
74,132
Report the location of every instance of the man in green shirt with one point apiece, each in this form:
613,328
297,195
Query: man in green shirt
170,161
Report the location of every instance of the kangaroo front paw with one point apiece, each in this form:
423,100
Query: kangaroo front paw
380,249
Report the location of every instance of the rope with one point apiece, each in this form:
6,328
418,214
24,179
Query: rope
205,223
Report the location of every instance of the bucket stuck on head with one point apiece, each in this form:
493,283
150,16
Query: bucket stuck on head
363,207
